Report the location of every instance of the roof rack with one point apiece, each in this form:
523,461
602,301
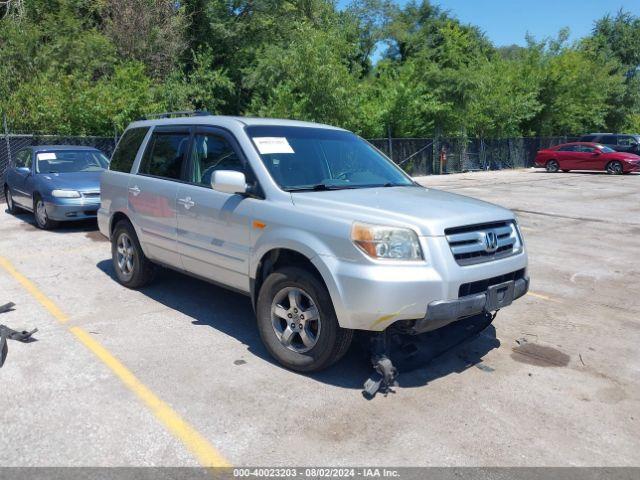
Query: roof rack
183,113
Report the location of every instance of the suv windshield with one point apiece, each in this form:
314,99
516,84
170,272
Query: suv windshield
67,161
305,158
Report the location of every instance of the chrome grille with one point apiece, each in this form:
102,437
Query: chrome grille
483,243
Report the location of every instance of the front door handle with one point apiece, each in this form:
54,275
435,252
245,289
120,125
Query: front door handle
186,202
135,190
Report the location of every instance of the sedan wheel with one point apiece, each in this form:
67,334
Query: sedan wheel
553,166
11,206
42,218
614,168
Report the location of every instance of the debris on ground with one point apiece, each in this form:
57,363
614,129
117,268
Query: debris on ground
393,352
7,333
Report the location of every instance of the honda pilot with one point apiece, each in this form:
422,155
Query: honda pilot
320,229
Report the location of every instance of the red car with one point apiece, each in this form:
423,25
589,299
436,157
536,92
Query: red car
586,156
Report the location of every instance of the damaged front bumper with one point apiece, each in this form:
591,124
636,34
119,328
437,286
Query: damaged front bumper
444,312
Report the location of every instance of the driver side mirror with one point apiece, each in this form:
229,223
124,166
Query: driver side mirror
229,181
596,152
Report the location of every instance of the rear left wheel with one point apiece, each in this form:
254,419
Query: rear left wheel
133,269
11,205
553,166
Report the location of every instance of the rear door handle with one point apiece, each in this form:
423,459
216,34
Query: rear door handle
186,202
135,190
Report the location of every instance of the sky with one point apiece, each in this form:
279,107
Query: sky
506,22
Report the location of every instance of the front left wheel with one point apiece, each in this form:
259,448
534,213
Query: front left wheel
615,168
42,217
297,321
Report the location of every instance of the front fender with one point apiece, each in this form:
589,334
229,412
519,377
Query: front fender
311,247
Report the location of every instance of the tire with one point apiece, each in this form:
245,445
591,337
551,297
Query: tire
133,269
11,205
552,166
326,342
615,168
40,214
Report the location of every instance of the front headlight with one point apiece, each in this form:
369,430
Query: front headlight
386,243
65,194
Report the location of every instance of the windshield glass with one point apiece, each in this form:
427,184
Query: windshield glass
606,149
67,161
303,158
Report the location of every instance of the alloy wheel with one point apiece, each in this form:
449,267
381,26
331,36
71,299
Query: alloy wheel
125,255
295,319
41,213
614,168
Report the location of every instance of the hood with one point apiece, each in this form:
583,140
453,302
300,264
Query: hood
82,181
428,211
623,156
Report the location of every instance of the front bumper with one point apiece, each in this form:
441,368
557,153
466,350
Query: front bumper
372,297
443,312
71,209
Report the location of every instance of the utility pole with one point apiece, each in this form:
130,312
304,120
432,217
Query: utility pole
6,135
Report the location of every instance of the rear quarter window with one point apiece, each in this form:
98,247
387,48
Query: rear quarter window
128,146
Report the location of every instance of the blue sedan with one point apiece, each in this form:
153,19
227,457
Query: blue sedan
56,183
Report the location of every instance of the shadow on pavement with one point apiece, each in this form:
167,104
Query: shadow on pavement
29,224
232,314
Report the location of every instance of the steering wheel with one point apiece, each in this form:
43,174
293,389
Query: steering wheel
342,176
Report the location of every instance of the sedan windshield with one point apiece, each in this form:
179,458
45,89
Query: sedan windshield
303,158
67,161
606,149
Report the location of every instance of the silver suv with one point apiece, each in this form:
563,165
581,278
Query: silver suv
320,229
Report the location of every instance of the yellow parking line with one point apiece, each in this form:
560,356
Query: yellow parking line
34,291
544,297
199,446
206,453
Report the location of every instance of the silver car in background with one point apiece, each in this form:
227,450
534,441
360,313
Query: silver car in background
324,232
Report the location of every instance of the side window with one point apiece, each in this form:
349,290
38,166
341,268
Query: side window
568,148
23,159
585,149
211,152
128,146
609,140
626,141
165,155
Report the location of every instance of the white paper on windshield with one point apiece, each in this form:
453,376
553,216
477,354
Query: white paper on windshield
268,145
47,156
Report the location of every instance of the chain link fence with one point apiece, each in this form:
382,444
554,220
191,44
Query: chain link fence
417,156
432,156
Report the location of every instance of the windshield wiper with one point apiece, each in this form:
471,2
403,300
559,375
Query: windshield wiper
316,188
